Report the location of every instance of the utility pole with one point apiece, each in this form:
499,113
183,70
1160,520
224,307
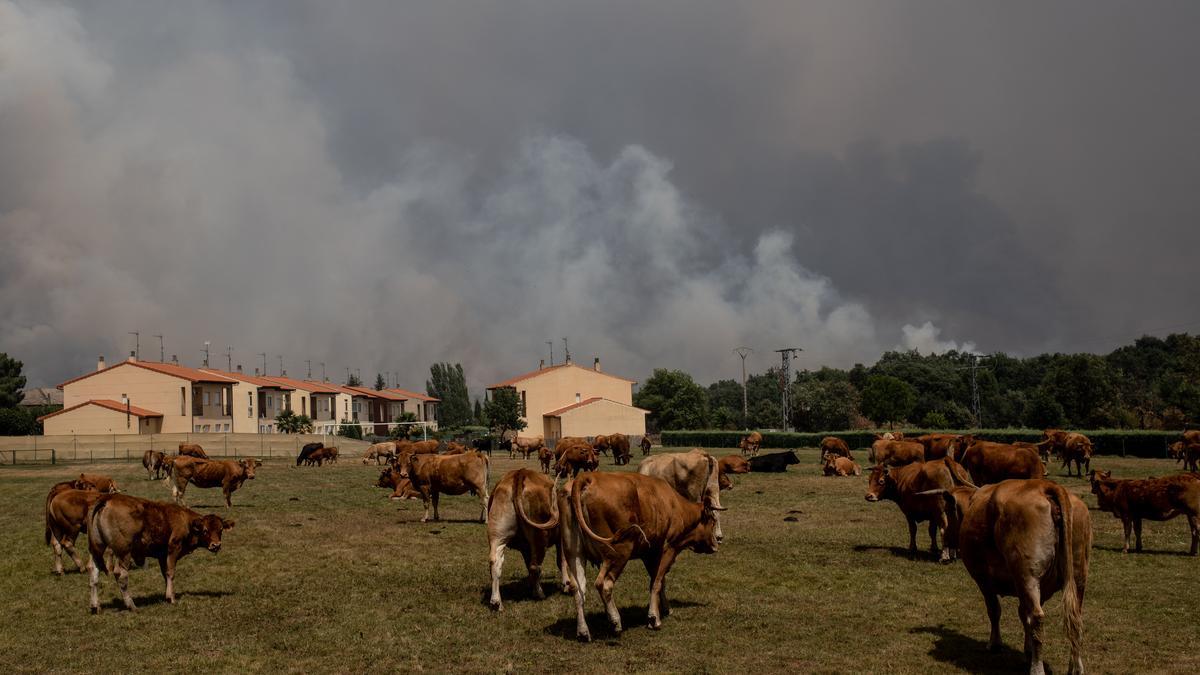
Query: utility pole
280,357
551,343
744,352
161,353
264,355
137,344
308,362
206,344
787,354
974,368
228,359
567,349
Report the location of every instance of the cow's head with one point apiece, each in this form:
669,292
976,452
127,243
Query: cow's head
205,531
249,465
723,481
706,537
880,483
790,457
82,484
1100,480
1175,451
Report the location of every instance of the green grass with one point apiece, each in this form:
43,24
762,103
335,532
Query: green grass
322,573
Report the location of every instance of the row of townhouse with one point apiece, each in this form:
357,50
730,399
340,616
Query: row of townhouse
143,397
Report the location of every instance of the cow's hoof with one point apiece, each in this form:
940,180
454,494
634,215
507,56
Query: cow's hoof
95,609
654,623
583,637
496,606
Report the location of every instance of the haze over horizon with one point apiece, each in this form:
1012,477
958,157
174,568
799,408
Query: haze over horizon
385,185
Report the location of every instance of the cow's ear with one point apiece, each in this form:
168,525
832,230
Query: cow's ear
197,525
227,524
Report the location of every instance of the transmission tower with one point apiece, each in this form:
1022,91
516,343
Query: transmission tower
974,367
787,354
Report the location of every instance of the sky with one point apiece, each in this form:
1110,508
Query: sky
384,185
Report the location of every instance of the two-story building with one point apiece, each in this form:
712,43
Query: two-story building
569,400
425,407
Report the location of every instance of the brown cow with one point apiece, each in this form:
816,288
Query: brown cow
433,475
1029,539
101,482
405,450
134,529
750,444
730,464
207,473
66,516
896,453
546,458
317,457
694,474
617,443
1071,447
645,443
989,462
836,465
612,518
832,445
152,461
909,485
379,451
525,446
574,455
455,448
520,495
938,446
331,454
1150,499
1189,454
192,450
401,487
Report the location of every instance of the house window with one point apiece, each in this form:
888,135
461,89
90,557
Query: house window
250,404
196,428
325,405
287,401
206,401
577,398
270,401
303,406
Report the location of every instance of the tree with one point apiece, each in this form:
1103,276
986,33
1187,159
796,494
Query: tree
289,422
674,400
887,399
11,381
353,381
17,422
380,383
348,430
1043,411
403,430
448,383
827,404
935,420
503,411
480,418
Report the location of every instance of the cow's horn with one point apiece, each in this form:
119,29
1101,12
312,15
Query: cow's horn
718,508
938,491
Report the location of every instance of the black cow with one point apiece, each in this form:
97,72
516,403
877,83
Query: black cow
504,445
775,462
307,450
483,445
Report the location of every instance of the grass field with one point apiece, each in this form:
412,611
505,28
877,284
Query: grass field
322,573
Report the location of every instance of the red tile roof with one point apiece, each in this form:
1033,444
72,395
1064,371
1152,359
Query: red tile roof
251,379
182,372
306,385
542,371
106,403
414,395
589,401
376,393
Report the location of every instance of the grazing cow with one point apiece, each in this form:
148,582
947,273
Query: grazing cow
774,462
836,465
730,464
206,473
1149,499
989,462
1189,454
546,458
896,453
433,475
909,485
525,446
134,529
192,450
617,443
152,461
750,444
101,482
1071,447
612,518
574,455
379,451
331,454
483,445
401,487
938,446
522,495
1029,539
645,443
309,450
694,474
66,516
832,445
321,455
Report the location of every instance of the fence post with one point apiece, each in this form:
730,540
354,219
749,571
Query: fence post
53,456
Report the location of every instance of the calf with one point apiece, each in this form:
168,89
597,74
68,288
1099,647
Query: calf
320,456
612,518
66,512
836,465
775,462
909,487
989,462
832,445
694,474
331,454
750,444
192,450
896,453
730,464
1029,539
520,496
1150,499
152,461
545,458
207,473
645,443
433,475
134,529
574,455
99,481
938,446
1189,454
401,487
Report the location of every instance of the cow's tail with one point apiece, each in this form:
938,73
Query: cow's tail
577,504
1064,555
48,521
518,491
94,533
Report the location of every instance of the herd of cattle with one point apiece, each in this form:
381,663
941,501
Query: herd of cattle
1017,533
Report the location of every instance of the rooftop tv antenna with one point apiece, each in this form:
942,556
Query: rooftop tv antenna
206,345
228,359
551,343
137,344
161,353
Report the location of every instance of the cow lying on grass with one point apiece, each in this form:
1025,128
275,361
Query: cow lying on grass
836,465
1149,499
774,462
730,464
134,529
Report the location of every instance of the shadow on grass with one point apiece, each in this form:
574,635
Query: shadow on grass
970,654
632,618
519,591
1144,551
900,552
153,599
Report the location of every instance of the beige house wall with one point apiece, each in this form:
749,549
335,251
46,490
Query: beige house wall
562,387
602,417
166,394
94,419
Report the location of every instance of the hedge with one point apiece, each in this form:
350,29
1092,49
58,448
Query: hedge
1134,443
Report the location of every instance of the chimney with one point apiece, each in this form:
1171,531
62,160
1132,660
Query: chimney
256,372
133,357
175,359
568,361
99,363
596,364
239,368
541,363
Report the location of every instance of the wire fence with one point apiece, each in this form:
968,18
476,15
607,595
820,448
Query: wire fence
68,448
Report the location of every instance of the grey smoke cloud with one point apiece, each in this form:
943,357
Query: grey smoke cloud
392,184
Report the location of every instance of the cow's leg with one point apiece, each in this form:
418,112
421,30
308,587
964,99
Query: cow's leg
658,588
177,491
434,498
912,536
610,571
167,567
121,572
580,581
933,535
426,501
483,504
58,551
1030,608
496,564
1128,525
992,602
533,563
228,492
68,543
94,583
1194,523
568,584
1137,533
